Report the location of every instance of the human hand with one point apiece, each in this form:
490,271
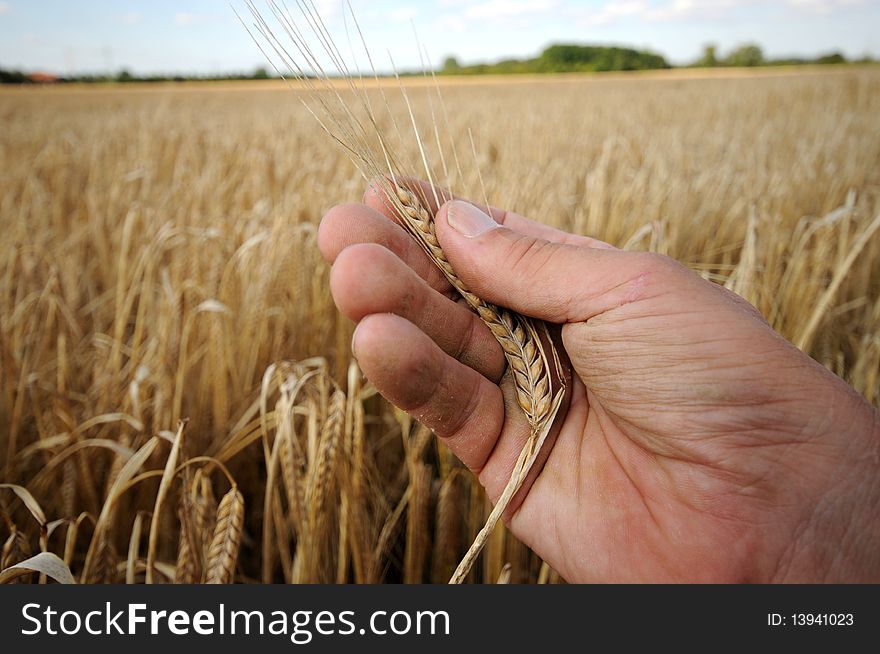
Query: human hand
698,445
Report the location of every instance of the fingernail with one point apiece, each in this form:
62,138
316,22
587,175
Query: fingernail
467,220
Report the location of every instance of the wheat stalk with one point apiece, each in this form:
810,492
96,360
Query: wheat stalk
530,352
417,529
447,528
533,361
528,348
204,514
103,570
323,472
186,571
134,543
15,550
164,485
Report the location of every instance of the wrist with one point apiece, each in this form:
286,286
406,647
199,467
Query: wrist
836,538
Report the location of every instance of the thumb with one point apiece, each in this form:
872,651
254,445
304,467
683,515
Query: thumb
552,281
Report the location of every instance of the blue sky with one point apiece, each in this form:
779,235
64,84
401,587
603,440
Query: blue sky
68,36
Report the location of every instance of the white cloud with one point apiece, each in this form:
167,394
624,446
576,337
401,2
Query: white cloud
696,9
328,8
822,6
5,8
185,19
653,12
452,23
615,10
131,17
403,14
507,8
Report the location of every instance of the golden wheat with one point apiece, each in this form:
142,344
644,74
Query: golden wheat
159,256
223,553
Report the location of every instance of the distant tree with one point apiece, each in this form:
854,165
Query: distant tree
124,76
13,77
831,58
566,58
260,73
710,56
451,65
746,55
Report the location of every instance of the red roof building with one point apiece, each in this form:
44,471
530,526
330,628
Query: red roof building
43,78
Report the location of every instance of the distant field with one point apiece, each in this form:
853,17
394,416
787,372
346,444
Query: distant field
158,257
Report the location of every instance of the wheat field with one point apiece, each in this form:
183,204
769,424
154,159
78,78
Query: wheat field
179,402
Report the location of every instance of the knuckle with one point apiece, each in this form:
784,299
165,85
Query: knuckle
528,257
461,412
360,257
653,262
652,269
467,339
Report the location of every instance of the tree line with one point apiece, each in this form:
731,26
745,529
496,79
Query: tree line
751,54
568,58
565,58
124,76
558,58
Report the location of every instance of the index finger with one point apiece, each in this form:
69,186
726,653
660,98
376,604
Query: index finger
433,197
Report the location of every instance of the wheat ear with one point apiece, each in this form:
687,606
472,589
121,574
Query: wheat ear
515,333
223,552
538,378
